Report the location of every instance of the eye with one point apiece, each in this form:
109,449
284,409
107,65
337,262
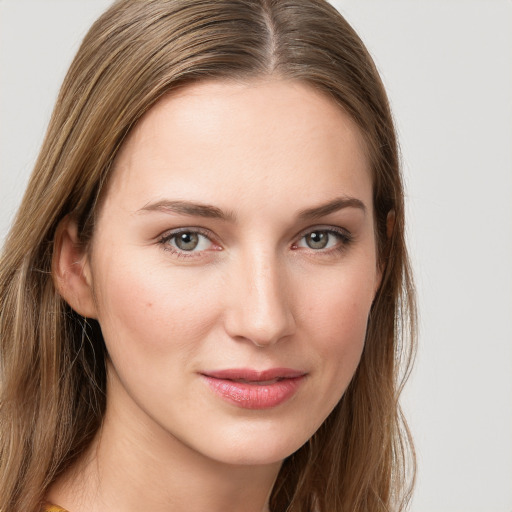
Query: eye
317,239
186,241
324,239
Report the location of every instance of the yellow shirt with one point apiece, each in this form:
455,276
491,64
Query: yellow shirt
48,507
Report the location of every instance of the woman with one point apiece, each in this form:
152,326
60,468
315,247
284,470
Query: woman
204,292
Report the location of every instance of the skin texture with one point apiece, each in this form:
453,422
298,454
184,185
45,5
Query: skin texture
253,293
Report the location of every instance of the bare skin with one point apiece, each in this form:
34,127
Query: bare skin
237,232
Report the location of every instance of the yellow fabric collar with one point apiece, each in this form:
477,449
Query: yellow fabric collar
48,507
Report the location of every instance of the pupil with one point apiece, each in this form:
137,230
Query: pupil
187,241
317,240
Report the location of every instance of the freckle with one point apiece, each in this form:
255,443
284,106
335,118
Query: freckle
149,304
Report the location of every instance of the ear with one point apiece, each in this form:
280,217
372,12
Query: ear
390,226
71,269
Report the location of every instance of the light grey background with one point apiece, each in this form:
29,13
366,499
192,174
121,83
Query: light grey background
447,65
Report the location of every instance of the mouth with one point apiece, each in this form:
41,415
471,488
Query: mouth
253,389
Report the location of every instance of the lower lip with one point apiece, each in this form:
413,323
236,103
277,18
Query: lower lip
248,395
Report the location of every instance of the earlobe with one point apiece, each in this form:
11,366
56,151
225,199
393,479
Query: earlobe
71,269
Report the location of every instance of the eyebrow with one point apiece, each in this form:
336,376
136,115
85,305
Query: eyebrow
212,212
332,206
188,208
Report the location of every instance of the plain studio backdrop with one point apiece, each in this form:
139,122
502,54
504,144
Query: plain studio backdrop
447,66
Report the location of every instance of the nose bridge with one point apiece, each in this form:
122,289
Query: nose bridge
260,309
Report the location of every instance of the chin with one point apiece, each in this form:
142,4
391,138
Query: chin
242,456
262,446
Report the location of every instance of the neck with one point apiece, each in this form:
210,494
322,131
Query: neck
130,467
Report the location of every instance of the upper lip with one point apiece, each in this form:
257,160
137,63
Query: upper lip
251,375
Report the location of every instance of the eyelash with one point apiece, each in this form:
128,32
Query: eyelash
345,239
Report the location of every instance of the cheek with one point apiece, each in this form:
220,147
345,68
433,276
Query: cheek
342,343
140,311
336,317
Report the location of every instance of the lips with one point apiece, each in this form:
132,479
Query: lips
253,389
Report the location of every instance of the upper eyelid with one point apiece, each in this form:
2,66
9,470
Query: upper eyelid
330,229
170,233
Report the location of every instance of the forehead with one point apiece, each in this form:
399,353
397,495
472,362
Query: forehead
228,139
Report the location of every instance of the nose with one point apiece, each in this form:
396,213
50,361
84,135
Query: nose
259,302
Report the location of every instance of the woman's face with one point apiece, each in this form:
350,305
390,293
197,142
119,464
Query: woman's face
233,267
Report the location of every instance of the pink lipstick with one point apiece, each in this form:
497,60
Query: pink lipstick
252,389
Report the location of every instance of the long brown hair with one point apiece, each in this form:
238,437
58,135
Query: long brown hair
53,361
